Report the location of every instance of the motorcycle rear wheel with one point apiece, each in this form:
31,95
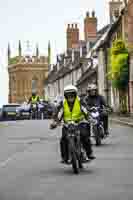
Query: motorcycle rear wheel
97,137
101,131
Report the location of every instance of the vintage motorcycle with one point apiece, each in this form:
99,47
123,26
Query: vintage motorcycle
96,125
75,149
47,110
34,111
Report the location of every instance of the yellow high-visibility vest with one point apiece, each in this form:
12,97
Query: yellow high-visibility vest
76,114
34,99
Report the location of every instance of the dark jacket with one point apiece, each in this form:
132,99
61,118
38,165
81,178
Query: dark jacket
97,100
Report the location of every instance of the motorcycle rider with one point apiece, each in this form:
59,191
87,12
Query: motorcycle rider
34,99
72,109
94,99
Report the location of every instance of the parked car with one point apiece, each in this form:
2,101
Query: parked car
10,111
24,111
0,114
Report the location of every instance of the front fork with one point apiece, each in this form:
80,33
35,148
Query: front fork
94,129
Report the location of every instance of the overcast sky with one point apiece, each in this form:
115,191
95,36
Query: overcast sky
39,21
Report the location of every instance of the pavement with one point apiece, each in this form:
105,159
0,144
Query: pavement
124,120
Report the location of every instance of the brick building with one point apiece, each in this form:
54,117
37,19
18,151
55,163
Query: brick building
73,64
130,42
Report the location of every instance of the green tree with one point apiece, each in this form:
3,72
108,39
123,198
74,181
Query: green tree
119,70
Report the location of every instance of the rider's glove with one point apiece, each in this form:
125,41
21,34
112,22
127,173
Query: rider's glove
53,125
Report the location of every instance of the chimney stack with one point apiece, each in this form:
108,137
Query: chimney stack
114,8
90,27
72,36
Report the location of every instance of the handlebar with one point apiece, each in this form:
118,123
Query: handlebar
98,108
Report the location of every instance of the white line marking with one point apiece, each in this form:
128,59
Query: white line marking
4,163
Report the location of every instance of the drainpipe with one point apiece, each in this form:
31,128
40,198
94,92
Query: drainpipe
129,84
107,82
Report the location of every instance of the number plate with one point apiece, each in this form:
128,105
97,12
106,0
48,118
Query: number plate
11,113
25,113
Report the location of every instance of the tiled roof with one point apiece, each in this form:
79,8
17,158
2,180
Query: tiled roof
64,70
111,29
98,43
50,77
107,30
53,76
89,72
103,30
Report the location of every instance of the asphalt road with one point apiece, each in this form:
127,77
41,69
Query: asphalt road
30,167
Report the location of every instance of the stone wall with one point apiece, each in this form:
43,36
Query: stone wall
20,81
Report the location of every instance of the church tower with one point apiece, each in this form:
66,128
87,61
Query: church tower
26,73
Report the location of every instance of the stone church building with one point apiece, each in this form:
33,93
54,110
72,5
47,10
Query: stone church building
26,74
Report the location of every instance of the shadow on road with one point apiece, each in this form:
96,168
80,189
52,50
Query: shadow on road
66,171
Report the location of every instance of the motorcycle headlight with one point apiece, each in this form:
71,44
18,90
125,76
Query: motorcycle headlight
34,105
95,114
17,111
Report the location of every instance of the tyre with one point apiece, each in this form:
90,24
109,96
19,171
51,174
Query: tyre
98,141
75,163
74,157
39,115
97,136
101,131
80,163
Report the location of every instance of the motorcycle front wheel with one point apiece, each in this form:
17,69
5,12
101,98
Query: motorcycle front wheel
74,158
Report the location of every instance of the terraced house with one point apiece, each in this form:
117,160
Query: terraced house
88,61
71,65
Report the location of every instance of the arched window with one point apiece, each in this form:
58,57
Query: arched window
13,84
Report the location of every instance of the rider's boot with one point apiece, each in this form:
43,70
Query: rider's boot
91,156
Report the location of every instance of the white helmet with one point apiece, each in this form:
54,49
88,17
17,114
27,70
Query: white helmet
70,89
91,87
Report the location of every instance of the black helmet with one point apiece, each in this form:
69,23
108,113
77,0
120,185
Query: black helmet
33,93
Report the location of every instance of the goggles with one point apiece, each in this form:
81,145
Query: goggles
69,96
